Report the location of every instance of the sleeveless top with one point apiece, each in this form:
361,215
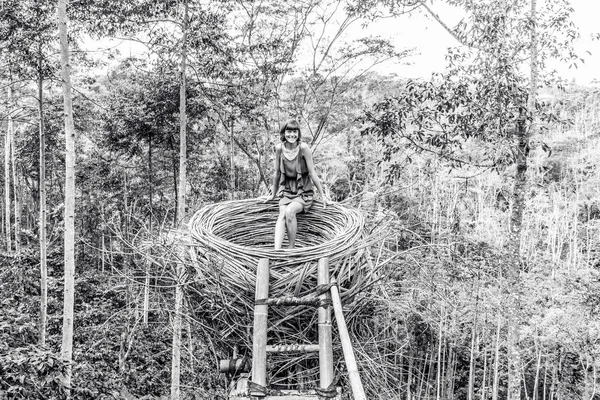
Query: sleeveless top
294,180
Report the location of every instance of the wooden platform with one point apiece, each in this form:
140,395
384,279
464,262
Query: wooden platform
291,396
286,395
241,393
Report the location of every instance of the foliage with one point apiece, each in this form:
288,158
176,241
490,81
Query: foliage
447,145
450,117
32,373
27,371
27,38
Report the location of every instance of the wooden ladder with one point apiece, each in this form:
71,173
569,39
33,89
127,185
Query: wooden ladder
258,387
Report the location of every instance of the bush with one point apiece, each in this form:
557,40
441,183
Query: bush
32,373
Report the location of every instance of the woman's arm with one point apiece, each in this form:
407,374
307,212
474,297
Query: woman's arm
277,172
307,154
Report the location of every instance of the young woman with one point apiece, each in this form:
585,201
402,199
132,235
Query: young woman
293,181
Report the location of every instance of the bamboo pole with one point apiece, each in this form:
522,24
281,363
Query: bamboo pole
485,371
545,376
439,359
7,207
325,340
259,345
409,377
357,388
536,383
422,377
496,362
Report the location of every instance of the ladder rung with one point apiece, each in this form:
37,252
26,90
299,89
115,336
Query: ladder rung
285,395
291,348
292,301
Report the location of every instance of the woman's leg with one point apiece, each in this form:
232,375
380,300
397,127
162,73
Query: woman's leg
290,221
280,227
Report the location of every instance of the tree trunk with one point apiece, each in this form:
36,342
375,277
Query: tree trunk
496,362
15,180
452,371
430,370
409,377
471,384
231,166
439,360
422,376
522,147
594,377
536,382
586,387
190,344
3,215
43,217
69,213
103,254
513,281
7,145
485,371
146,305
524,384
443,372
176,357
545,387
553,383
176,353
534,62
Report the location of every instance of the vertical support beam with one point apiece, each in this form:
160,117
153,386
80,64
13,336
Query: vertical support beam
357,388
259,346
325,342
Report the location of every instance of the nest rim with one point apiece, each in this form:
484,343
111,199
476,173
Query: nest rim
347,221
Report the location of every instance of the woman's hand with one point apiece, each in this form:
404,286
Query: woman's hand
269,198
325,199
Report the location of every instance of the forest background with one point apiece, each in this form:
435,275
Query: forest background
484,175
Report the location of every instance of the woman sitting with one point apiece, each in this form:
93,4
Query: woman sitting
293,181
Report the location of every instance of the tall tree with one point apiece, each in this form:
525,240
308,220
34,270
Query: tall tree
177,328
30,39
15,181
7,157
69,212
43,215
523,134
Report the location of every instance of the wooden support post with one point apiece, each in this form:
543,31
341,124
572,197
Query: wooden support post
259,346
325,341
357,388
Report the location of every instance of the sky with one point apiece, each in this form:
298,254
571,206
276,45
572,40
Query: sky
431,41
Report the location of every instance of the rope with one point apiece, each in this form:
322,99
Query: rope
298,301
325,288
330,392
292,301
255,387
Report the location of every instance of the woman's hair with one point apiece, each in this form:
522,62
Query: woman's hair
290,124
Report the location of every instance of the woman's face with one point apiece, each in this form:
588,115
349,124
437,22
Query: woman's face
291,135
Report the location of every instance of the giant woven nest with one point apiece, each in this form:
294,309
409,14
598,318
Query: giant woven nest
230,237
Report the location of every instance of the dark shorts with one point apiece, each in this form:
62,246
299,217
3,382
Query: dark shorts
305,199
